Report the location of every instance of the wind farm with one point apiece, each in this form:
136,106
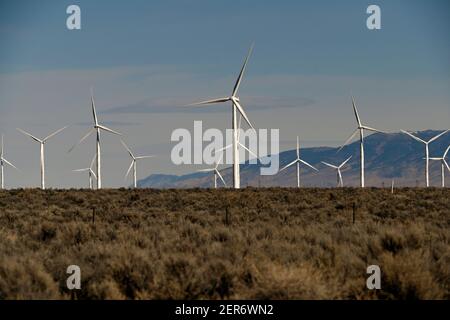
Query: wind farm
213,161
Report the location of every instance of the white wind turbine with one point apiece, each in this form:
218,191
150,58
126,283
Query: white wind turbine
97,127
235,104
340,182
361,129
298,161
240,144
216,172
427,152
3,161
133,164
42,143
444,164
91,173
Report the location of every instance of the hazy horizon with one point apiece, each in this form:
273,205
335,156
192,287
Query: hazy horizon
148,59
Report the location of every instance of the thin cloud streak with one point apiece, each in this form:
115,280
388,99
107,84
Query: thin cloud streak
255,103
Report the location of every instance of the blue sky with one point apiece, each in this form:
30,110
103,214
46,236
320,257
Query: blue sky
145,58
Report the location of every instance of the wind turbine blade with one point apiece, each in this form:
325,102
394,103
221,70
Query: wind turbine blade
93,173
129,169
54,133
81,170
241,73
348,140
205,170
144,157
10,164
307,164
94,113
128,149
82,139
219,100
1,150
249,151
413,136
30,135
372,129
438,136
220,176
434,159
224,148
219,160
355,110
343,163
298,149
109,130
446,152
92,162
239,128
290,164
241,110
446,164
329,165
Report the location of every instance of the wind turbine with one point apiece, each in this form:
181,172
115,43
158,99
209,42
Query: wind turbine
236,106
133,164
340,182
298,161
427,152
42,143
361,129
444,164
216,172
90,171
240,144
3,161
97,127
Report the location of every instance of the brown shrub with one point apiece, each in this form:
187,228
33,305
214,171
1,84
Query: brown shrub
178,244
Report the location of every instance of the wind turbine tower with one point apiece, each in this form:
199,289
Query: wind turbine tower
42,144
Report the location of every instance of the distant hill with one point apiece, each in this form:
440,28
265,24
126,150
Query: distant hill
388,156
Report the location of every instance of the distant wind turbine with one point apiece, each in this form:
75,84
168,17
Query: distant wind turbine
97,127
216,172
298,161
444,164
133,164
42,143
3,161
361,129
427,152
338,168
236,106
90,173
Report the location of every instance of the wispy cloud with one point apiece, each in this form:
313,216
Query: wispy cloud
179,105
111,123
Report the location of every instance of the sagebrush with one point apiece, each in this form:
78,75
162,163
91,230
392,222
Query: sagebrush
225,244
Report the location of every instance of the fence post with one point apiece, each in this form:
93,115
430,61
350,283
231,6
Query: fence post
354,212
227,222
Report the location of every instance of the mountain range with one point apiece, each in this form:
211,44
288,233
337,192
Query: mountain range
394,156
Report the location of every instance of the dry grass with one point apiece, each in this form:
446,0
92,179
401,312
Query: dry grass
175,244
